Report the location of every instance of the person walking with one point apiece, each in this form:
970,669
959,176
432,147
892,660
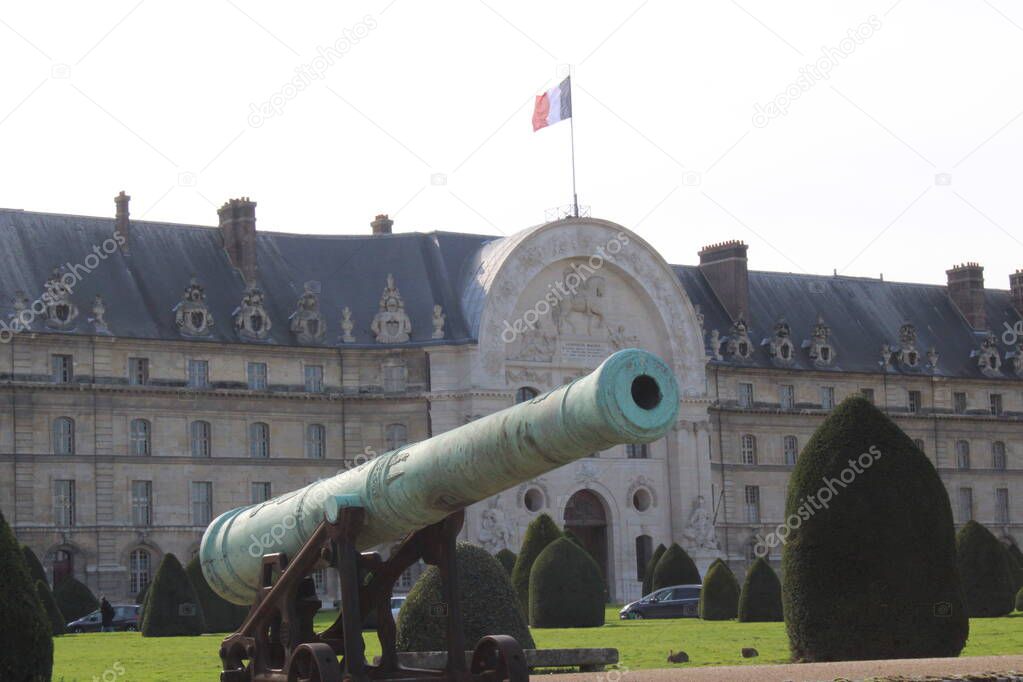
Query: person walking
106,612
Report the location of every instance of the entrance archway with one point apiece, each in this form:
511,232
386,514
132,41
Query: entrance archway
586,519
63,566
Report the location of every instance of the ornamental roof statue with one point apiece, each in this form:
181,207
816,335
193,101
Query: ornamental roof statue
391,324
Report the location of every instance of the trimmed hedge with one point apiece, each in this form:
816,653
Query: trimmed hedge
35,568
760,599
26,647
566,588
984,569
219,614
1019,600
507,559
541,532
487,599
53,614
719,598
172,607
648,572
675,567
1015,566
74,599
868,565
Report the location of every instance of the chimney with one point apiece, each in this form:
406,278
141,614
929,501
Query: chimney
238,230
1016,287
966,289
724,266
121,220
382,224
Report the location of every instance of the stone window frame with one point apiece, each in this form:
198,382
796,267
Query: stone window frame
139,575
999,455
751,502
141,493
962,452
140,437
827,397
64,503
996,403
259,440
960,402
914,401
748,448
200,502
745,395
394,376
257,376
786,442
315,441
787,396
313,378
198,373
138,371
62,366
200,434
64,436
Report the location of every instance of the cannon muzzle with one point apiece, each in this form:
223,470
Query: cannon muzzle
632,397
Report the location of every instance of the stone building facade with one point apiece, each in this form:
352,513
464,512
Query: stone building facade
163,374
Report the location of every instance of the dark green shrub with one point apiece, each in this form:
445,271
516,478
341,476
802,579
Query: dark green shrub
140,598
648,572
74,599
219,614
487,599
35,568
1019,600
1015,553
566,588
172,607
1015,566
56,618
675,567
984,569
26,647
868,564
541,532
760,600
719,598
507,559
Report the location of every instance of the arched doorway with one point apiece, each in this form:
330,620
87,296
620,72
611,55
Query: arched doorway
63,566
586,519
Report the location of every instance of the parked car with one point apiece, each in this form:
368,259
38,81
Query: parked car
677,601
126,617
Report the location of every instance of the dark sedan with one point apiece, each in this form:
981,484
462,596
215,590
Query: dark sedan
678,601
126,617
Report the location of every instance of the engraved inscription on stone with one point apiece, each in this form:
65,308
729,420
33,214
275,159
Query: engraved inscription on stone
583,350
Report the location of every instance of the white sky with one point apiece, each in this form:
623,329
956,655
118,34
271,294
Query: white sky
154,97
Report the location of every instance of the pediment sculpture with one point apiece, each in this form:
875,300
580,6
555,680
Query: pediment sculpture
191,314
250,318
61,311
391,324
307,322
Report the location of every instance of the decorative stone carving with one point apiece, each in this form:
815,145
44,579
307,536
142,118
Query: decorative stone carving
932,358
779,346
715,345
1016,355
495,529
307,322
988,358
585,299
539,483
98,320
907,354
250,318
391,324
61,311
585,471
699,316
700,529
886,356
438,322
739,346
620,339
191,313
536,345
21,302
347,325
528,377
820,350
642,483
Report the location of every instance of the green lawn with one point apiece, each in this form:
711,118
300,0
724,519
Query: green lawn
127,657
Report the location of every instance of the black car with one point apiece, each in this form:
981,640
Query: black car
126,617
678,601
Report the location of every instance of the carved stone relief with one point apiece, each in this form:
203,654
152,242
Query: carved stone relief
391,324
61,312
191,314
307,322
250,318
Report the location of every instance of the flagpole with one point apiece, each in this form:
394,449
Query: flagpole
575,197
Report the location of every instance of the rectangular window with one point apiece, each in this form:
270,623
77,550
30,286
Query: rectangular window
636,451
915,402
395,377
996,403
63,369
827,397
959,403
198,374
787,396
998,455
791,447
201,494
260,491
745,395
202,441
138,371
919,445
752,498
962,454
748,448
64,503
257,376
965,504
142,503
1002,505
314,378
868,393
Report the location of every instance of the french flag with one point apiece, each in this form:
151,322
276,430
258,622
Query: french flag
553,106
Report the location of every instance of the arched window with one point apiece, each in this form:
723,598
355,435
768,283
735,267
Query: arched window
315,441
140,437
791,446
396,435
525,393
998,455
64,436
748,448
962,454
259,440
201,440
139,565
644,550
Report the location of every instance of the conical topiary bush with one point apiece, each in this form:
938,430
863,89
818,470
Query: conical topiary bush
53,614
218,614
26,647
1019,600
541,532
868,563
719,598
984,569
648,572
675,567
566,588
35,568
172,608
74,599
760,599
507,559
488,602
1015,567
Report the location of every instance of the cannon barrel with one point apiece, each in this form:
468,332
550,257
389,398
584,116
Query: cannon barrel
632,397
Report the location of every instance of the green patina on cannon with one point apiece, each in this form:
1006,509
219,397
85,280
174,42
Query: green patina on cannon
264,554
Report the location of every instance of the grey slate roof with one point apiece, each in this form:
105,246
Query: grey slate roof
141,289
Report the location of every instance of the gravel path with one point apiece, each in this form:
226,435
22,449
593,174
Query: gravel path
924,668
